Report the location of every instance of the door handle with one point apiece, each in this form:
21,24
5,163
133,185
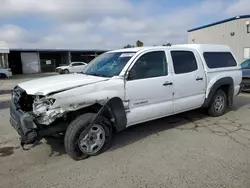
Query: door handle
199,78
167,83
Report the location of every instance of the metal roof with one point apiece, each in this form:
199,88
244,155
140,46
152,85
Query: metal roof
219,22
55,50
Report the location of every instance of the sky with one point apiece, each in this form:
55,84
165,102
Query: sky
108,24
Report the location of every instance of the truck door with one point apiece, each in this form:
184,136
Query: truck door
189,80
149,88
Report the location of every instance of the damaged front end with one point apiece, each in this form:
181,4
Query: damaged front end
42,111
32,116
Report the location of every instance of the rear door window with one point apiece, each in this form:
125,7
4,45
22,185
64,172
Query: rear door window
183,61
219,59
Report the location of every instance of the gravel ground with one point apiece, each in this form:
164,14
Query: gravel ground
186,150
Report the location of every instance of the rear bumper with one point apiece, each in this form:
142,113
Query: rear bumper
245,84
23,123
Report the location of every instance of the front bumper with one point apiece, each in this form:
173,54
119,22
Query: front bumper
23,123
59,71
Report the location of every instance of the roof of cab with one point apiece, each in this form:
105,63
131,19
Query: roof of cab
198,47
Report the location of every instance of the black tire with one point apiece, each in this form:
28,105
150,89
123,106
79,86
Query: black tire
2,75
66,71
213,110
77,127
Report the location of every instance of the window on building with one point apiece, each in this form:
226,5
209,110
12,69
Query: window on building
183,62
219,59
246,53
149,65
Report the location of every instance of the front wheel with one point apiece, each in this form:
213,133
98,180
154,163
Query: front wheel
218,104
81,141
2,75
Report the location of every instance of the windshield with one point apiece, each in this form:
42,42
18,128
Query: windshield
108,64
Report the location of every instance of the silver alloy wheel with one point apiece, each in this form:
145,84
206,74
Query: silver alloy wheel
93,140
219,103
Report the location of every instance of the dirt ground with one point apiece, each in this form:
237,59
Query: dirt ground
186,150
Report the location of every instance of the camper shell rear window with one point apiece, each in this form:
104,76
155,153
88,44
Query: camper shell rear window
219,59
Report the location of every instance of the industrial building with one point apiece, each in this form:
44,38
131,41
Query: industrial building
234,32
29,61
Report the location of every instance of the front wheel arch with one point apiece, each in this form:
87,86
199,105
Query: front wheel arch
113,110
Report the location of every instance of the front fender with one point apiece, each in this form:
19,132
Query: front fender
116,108
79,100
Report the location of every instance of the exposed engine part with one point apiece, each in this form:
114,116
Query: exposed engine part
43,112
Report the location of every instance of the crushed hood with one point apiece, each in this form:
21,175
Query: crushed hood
47,85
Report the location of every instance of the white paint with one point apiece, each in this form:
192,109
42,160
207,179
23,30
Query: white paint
149,98
50,84
146,99
187,88
30,63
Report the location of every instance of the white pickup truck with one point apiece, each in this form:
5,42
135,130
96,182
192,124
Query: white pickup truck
122,88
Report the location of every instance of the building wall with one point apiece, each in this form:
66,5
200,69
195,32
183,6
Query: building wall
221,34
4,60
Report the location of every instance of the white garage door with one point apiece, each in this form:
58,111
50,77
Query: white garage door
30,63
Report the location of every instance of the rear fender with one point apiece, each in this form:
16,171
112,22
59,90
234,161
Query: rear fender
226,81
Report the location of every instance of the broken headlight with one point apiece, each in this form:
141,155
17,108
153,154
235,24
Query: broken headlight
41,105
43,112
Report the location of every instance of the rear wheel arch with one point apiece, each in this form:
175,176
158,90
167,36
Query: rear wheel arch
227,85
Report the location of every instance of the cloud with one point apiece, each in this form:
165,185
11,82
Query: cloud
66,10
238,7
17,36
107,24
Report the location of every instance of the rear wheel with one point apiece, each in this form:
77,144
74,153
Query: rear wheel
218,104
66,71
81,141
